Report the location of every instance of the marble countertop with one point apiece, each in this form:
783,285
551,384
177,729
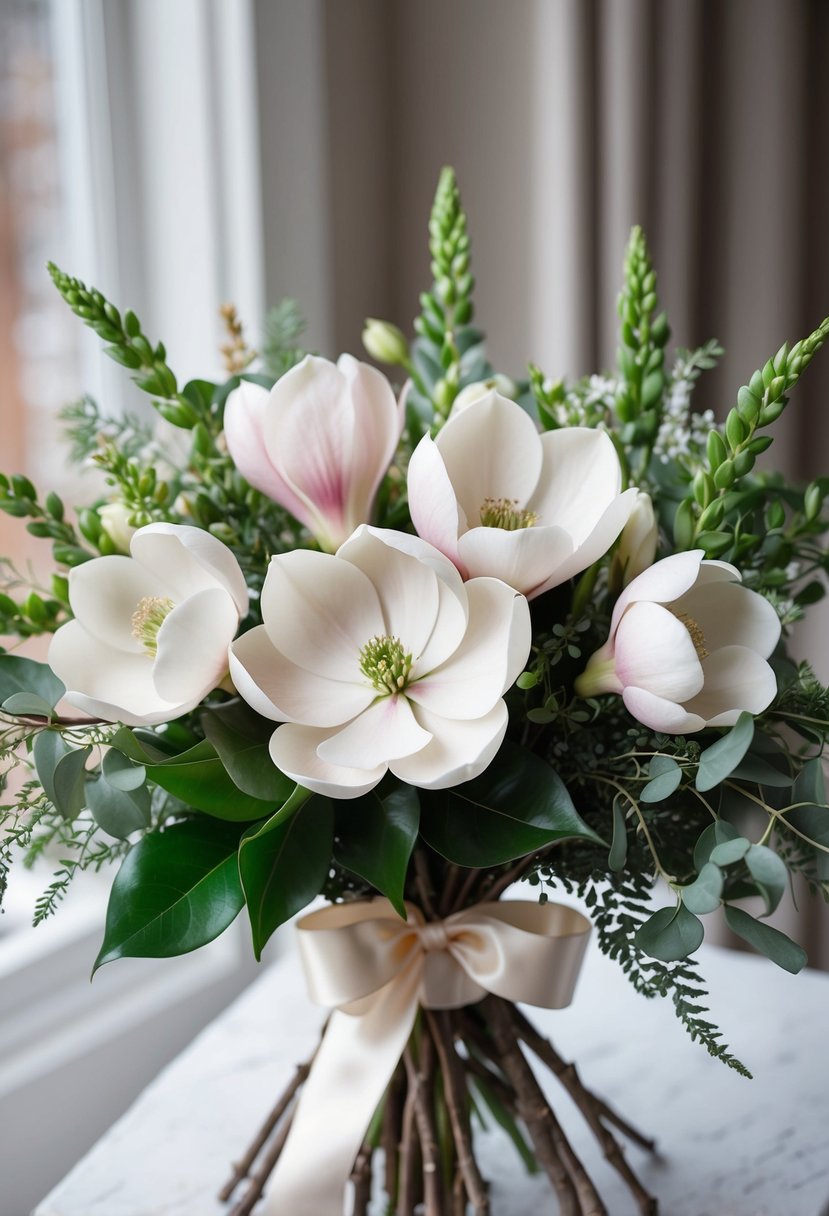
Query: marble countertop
728,1146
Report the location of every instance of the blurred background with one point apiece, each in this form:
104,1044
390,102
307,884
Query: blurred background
181,153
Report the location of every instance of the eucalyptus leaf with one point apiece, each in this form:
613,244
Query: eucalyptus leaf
517,806
375,838
121,773
619,844
716,833
758,770
769,941
705,892
666,777
27,704
68,782
119,812
719,760
49,747
25,675
670,934
283,869
729,851
769,872
176,890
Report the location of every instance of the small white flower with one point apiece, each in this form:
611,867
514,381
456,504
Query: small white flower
497,498
379,657
151,631
688,647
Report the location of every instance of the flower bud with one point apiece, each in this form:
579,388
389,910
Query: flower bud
481,388
637,544
115,522
385,342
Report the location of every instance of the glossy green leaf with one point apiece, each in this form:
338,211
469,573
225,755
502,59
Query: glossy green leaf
719,760
376,835
25,675
176,890
670,934
283,869
142,746
199,779
716,833
68,782
769,941
49,747
517,806
119,812
769,872
705,892
282,814
619,844
666,777
27,704
729,851
246,759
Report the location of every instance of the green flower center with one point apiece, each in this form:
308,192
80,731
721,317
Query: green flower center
384,661
150,614
695,633
505,513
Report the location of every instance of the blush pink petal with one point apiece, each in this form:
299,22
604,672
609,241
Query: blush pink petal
736,679
663,582
384,732
659,713
377,425
436,513
726,611
244,429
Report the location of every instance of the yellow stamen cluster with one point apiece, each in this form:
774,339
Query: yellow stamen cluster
384,661
505,513
149,616
695,633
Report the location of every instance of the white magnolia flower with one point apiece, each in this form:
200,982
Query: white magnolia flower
499,499
318,443
637,544
151,632
377,658
688,647
115,521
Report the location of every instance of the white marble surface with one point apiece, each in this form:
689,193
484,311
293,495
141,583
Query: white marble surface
729,1146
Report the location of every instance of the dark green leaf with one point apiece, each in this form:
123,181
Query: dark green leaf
199,779
121,773
68,782
771,942
247,760
757,769
719,760
666,776
284,868
670,934
176,890
705,893
25,675
619,844
375,838
142,746
119,812
770,874
517,806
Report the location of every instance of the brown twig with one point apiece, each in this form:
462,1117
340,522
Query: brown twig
391,1130
457,1102
425,886
361,1177
469,884
420,1076
409,1154
262,1173
451,882
459,1194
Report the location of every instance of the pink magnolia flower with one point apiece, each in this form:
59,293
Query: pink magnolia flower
380,657
318,443
500,499
688,647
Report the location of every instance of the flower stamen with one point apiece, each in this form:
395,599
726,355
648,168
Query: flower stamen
384,661
505,513
150,614
695,633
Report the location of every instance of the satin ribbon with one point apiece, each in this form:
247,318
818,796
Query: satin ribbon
374,969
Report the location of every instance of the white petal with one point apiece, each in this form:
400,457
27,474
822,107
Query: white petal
320,611
490,450
488,660
407,588
736,679
278,689
712,571
192,645
654,651
377,425
293,750
450,626
436,513
597,543
525,558
188,560
384,732
660,714
663,582
106,682
580,476
104,594
730,614
458,752
244,428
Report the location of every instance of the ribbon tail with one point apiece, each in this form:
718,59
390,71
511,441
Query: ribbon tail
354,1064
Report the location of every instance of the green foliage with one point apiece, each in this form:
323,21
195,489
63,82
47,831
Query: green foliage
375,837
199,779
284,326
643,336
720,759
19,498
87,426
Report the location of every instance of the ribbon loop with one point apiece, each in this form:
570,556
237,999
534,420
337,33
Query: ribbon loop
374,969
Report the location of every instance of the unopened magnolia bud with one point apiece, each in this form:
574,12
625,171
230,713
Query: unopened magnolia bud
479,388
637,544
385,342
115,522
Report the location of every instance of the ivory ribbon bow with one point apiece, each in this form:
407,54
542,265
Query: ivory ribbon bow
374,969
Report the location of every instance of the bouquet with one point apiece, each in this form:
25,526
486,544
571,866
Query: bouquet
401,643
